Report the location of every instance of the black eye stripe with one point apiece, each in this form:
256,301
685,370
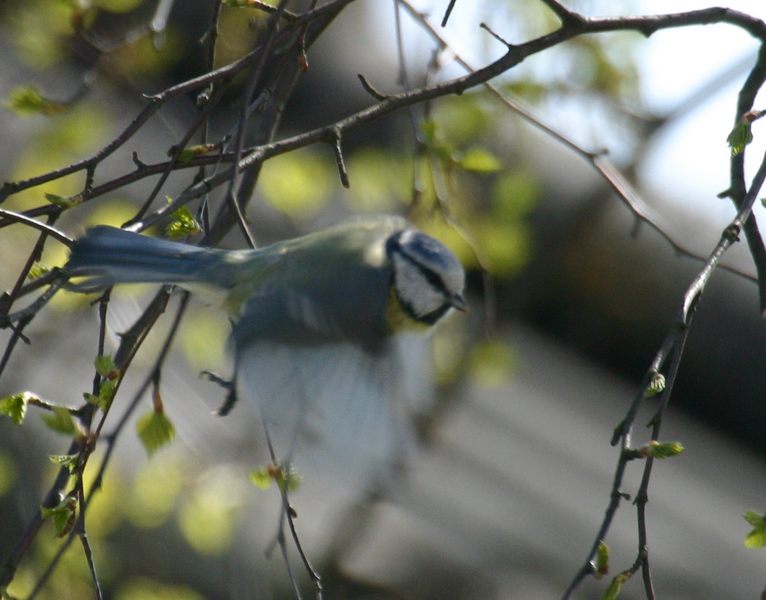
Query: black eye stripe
429,275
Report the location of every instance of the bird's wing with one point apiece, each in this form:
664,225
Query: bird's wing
333,407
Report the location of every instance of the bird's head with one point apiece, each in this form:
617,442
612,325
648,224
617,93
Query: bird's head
428,280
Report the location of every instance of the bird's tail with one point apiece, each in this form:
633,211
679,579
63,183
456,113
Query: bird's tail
107,255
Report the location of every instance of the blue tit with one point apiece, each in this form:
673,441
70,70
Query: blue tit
316,319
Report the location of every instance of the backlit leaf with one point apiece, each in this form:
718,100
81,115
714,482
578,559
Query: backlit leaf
60,420
480,160
15,406
27,100
155,430
63,515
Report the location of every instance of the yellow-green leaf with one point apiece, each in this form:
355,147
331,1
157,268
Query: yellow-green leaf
755,519
480,160
105,366
182,224
602,560
60,420
656,385
27,100
63,515
141,588
660,450
613,590
15,406
615,585
63,201
65,460
757,537
37,270
155,430
739,138
261,478
187,154
106,392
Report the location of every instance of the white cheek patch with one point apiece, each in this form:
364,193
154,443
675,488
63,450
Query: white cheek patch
414,290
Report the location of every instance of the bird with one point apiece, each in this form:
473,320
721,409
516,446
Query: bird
322,324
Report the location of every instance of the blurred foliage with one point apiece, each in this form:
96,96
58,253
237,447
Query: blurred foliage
381,180
207,515
63,139
203,512
150,505
27,100
203,339
298,184
38,30
142,588
8,473
491,363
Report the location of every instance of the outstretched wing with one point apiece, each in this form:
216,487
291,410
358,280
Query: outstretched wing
333,290
333,407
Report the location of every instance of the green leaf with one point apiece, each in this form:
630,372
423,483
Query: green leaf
60,420
63,515
613,590
187,154
63,201
106,392
757,537
37,270
261,478
27,100
182,224
660,450
602,560
65,460
755,519
90,398
739,138
105,366
117,6
656,385
480,160
616,585
292,479
155,430
15,406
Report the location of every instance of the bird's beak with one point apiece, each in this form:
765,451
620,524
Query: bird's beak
457,301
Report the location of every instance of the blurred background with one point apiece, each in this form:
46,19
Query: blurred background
570,299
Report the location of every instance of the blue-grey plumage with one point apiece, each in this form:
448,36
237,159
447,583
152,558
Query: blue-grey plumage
314,316
329,285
